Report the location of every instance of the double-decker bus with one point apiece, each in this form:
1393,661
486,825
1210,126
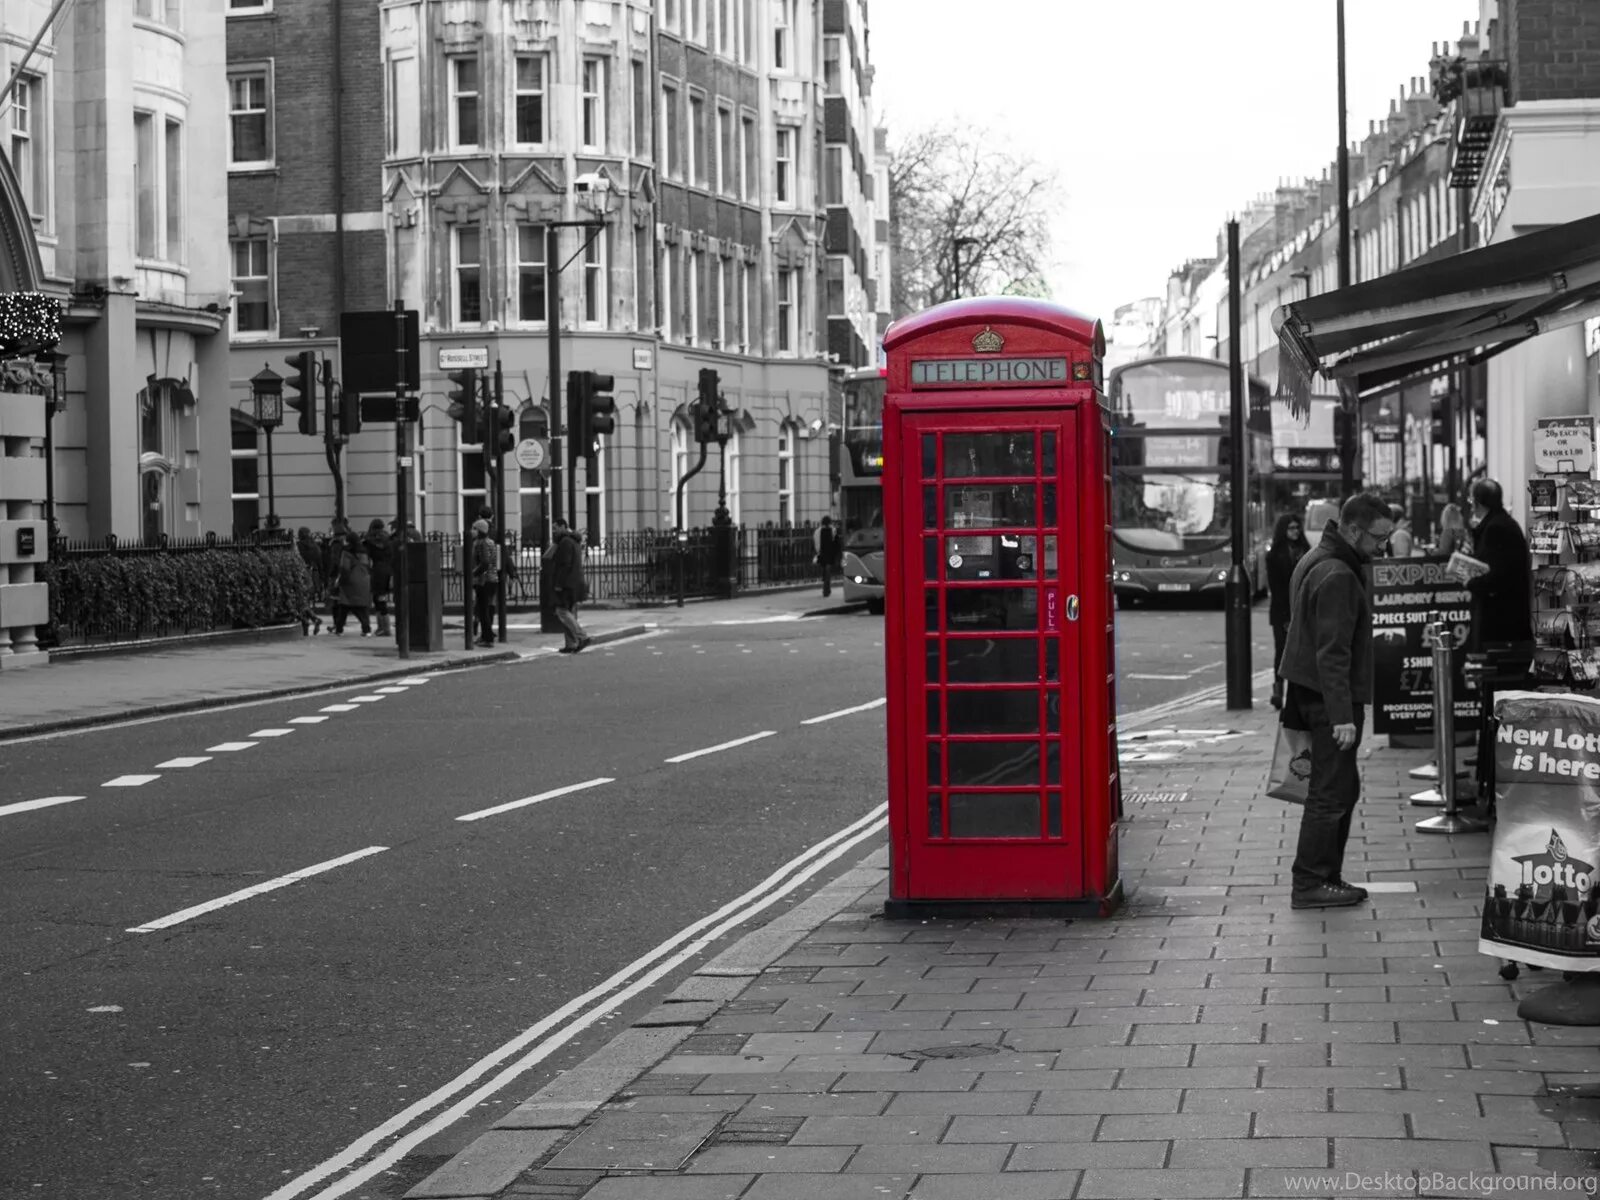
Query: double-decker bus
1172,523
861,486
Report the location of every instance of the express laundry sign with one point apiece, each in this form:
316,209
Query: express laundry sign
1542,903
1407,594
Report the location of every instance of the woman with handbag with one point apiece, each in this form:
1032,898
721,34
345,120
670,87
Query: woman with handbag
1289,545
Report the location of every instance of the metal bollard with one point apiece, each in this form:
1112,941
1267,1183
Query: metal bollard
1441,641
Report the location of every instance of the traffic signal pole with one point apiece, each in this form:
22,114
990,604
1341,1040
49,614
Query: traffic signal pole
552,302
500,485
402,627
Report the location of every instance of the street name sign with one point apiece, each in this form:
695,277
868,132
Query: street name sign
459,358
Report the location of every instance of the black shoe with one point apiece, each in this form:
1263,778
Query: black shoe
485,641
583,644
1328,895
1354,887
567,650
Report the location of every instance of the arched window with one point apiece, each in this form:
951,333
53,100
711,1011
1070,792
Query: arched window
786,479
682,438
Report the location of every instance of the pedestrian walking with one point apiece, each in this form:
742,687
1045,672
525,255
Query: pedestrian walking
352,585
1289,546
566,580
1403,543
485,559
1327,665
830,552
381,551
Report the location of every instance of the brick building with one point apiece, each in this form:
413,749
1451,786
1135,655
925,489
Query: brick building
464,130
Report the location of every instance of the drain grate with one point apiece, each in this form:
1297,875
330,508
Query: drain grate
769,1131
950,1052
713,1043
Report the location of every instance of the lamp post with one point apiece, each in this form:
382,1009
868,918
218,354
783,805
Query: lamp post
1347,398
956,247
54,403
266,393
722,527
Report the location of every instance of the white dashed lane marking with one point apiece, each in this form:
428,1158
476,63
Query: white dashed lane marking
391,691
845,712
29,805
269,733
364,699
754,737
270,885
540,798
130,780
229,747
188,760
339,708
307,720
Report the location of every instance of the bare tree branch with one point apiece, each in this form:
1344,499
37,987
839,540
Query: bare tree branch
962,191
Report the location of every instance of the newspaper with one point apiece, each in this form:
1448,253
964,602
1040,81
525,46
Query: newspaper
1464,566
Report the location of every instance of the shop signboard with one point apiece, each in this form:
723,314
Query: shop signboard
1407,594
1564,445
1539,905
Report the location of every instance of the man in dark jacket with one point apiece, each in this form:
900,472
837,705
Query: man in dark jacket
830,552
566,577
1327,663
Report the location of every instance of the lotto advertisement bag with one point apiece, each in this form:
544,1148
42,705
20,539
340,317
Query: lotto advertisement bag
1540,905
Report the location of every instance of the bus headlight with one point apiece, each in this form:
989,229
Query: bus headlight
1124,576
1222,575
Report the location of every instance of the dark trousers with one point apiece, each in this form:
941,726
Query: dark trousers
483,600
342,611
827,578
1280,636
566,608
1332,792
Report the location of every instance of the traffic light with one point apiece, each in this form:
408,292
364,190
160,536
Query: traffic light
463,399
505,429
705,408
300,388
349,413
590,409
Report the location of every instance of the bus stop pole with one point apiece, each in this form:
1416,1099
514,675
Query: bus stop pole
1237,594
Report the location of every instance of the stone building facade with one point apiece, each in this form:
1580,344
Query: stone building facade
692,128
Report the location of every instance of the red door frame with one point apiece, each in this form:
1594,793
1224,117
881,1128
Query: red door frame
1077,871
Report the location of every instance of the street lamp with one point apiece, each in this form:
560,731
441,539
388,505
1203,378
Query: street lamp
956,246
266,394
723,538
55,402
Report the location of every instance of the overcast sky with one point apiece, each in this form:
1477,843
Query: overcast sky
1163,117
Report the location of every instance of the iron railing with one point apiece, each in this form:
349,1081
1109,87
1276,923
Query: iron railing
640,567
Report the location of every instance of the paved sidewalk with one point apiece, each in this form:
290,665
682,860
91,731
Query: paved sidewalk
1207,1041
78,690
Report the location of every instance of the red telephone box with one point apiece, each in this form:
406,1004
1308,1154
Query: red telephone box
1003,787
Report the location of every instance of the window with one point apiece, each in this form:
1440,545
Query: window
641,110
727,168
681,438
831,82
786,474
747,288
248,8
405,113
784,164
464,100
782,35
697,137
669,131
724,27
174,191
529,100
643,309
788,334
731,456
165,12
697,20
530,274
833,183
252,284
833,301
594,279
531,490
145,186
669,14
747,19
664,272
249,119
594,103
749,170
594,500
694,260
28,155
724,299
469,275
246,462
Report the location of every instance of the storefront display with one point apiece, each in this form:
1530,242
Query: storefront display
1408,593
1564,540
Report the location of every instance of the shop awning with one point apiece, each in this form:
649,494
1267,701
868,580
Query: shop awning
1409,322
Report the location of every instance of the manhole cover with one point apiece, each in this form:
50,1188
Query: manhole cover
951,1052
